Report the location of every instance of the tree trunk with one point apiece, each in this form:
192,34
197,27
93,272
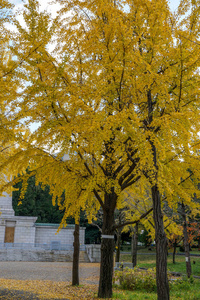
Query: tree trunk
160,237
161,247
107,248
117,257
134,242
186,244
174,251
75,267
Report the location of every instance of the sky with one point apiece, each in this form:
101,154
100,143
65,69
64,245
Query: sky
173,4
44,3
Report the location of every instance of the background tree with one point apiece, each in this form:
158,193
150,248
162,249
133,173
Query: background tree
137,203
194,232
36,202
186,240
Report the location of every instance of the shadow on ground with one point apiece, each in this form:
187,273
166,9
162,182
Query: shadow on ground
17,295
6,294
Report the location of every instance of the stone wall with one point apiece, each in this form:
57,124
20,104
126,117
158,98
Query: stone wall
2,231
6,208
24,234
27,231
35,255
46,233
24,228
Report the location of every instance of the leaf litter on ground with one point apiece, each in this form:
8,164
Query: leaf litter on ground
44,290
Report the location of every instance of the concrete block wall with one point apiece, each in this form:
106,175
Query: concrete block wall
82,236
47,234
6,205
27,231
24,228
2,233
34,255
24,234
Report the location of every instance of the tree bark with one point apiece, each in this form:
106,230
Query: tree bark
134,245
186,244
75,267
107,248
117,257
160,237
174,251
161,247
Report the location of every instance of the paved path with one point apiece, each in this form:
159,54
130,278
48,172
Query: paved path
55,271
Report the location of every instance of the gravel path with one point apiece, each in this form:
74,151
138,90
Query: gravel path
55,271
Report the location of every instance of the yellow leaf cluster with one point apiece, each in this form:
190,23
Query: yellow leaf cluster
122,79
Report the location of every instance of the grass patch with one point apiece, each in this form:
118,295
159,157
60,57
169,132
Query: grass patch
127,295
185,290
149,261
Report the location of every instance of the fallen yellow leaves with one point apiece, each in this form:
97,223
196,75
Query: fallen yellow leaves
51,290
46,289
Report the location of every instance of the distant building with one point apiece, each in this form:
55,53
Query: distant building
21,229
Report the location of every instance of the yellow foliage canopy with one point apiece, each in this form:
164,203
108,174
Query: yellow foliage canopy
90,99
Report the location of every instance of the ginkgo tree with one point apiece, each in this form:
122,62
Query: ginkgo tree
119,96
9,84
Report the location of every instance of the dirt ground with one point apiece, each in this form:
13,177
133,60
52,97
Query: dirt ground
55,271
47,271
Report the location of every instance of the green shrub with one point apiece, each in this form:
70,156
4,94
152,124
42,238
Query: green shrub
135,279
184,284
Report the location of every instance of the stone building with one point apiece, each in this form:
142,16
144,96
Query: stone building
15,230
22,239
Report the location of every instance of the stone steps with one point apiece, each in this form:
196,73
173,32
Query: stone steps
83,257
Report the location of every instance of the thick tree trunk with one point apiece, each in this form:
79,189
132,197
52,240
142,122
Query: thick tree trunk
161,247
174,251
117,257
186,244
160,237
107,248
134,245
75,267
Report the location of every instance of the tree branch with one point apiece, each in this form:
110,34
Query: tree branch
99,199
130,170
134,222
148,212
90,172
129,182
